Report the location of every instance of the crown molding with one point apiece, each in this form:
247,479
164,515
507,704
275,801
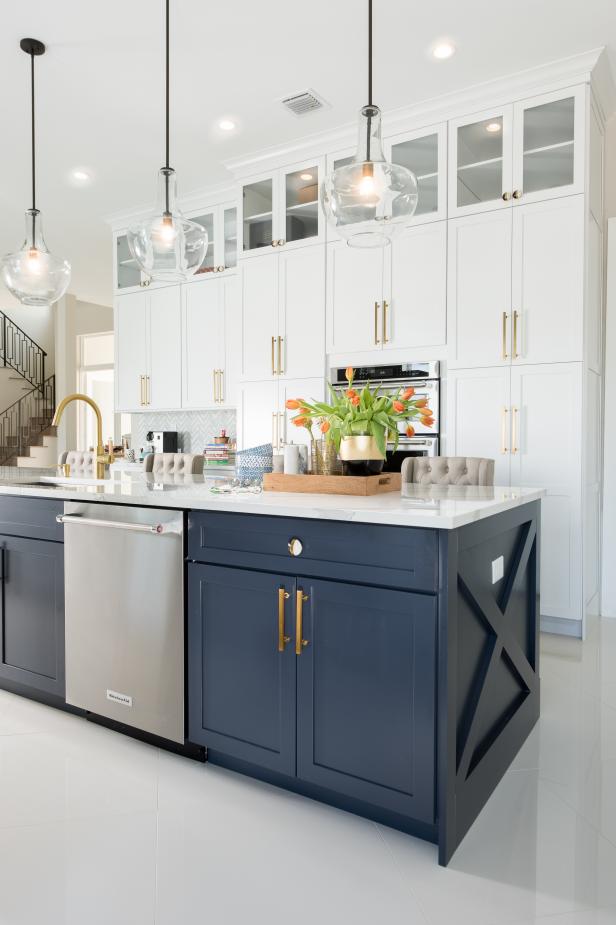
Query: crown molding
604,87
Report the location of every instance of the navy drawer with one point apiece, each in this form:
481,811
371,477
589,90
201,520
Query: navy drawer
398,557
31,517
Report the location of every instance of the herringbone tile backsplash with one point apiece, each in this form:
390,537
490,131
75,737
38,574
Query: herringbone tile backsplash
195,428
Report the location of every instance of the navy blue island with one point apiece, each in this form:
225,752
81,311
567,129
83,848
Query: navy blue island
380,655
377,654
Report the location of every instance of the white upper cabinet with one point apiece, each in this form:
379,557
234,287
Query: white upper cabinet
220,222
148,332
548,143
547,324
283,315
354,296
281,209
479,290
131,364
425,153
127,276
480,161
414,305
529,151
211,343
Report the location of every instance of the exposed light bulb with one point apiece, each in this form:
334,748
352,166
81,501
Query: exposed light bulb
367,185
33,260
167,231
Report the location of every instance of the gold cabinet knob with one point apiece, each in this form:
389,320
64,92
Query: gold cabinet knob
295,547
281,242
507,196
517,194
274,243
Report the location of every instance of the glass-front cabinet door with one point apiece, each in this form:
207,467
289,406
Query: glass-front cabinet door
229,237
257,215
207,221
480,162
127,273
424,152
548,146
302,217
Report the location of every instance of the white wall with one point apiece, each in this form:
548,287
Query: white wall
608,602
73,318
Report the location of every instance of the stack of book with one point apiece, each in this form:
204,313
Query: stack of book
217,454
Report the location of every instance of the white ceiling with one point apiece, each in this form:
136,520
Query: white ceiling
100,89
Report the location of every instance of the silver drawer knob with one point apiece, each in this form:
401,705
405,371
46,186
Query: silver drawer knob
295,547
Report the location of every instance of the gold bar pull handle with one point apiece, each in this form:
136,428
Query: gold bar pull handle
300,597
385,337
149,385
273,356
376,323
505,355
274,428
282,639
504,449
221,386
515,335
282,430
215,385
141,401
514,430
280,364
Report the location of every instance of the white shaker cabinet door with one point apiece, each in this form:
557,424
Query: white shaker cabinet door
415,309
131,364
165,348
201,336
258,412
548,281
301,313
259,317
479,417
231,340
479,290
547,453
354,296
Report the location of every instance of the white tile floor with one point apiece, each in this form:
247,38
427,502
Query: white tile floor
97,828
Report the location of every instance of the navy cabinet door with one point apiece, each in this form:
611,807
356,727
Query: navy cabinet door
366,698
32,639
241,686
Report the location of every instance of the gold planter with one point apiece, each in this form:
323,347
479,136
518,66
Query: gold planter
360,455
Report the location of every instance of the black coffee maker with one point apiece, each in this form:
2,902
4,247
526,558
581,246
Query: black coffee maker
163,441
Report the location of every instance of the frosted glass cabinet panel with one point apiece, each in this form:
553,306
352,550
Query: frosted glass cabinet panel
207,221
128,273
423,152
230,237
480,169
257,217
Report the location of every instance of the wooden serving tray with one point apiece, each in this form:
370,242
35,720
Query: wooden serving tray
333,484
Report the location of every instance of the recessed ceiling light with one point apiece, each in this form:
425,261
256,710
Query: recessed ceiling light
81,176
305,176
493,127
226,125
443,50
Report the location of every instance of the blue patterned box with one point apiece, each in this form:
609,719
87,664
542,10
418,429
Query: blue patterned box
254,462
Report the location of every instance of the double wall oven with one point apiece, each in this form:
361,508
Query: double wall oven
425,379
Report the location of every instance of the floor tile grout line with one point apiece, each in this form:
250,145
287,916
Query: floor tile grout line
407,884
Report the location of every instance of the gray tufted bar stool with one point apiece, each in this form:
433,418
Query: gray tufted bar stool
448,470
163,464
82,463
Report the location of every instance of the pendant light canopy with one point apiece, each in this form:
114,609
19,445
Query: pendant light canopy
32,274
368,200
166,245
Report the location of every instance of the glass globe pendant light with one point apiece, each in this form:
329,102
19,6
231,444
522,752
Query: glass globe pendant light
368,200
166,245
32,274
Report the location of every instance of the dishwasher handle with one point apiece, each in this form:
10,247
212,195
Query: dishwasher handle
156,529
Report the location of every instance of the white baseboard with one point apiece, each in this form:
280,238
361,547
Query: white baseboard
560,626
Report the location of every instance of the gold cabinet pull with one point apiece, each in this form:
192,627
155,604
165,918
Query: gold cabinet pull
376,323
282,639
385,307
280,367
221,386
141,401
506,197
300,597
281,428
505,355
514,430
515,335
148,391
517,194
273,356
274,430
215,385
504,449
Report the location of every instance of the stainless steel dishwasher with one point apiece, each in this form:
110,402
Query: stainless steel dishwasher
125,614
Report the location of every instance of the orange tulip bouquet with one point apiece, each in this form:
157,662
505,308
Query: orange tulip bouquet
369,414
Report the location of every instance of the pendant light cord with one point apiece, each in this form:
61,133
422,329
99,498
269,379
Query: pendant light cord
33,136
369,119
167,105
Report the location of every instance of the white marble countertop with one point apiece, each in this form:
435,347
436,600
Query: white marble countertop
441,507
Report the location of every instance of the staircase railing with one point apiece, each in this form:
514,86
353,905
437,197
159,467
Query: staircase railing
25,419
21,353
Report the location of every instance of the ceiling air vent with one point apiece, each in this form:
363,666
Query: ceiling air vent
301,103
